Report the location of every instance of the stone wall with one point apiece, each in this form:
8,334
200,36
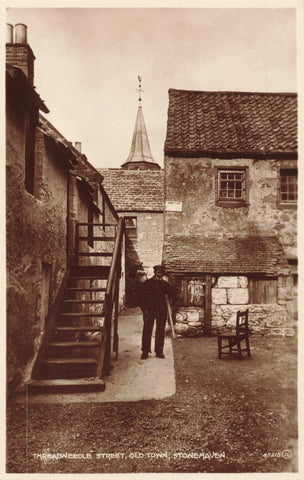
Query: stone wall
230,294
189,322
192,182
143,250
146,248
36,247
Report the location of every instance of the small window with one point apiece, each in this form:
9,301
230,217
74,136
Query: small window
289,185
131,226
231,186
30,131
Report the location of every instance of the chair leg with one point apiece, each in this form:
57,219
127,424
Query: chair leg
230,345
248,347
219,344
239,350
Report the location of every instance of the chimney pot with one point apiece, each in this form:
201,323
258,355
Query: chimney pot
9,33
78,146
20,33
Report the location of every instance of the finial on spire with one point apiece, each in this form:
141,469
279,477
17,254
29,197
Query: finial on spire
139,89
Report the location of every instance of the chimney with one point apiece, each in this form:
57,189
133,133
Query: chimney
78,146
19,54
20,33
9,33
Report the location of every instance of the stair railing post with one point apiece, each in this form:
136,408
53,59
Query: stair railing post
116,339
77,244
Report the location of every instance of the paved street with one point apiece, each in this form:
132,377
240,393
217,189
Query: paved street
218,416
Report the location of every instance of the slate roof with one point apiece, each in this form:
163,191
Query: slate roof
249,255
221,123
134,190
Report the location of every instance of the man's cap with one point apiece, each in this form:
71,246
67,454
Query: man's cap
159,267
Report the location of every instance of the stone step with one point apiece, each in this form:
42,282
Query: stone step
65,385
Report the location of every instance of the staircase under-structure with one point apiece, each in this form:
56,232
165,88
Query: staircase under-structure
78,348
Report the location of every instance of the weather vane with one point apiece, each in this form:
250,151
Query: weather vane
139,89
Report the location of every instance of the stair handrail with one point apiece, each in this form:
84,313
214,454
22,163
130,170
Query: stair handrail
110,294
115,259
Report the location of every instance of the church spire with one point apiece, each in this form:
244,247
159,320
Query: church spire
140,156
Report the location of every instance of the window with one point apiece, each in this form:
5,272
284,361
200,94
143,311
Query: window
288,185
30,156
131,226
231,186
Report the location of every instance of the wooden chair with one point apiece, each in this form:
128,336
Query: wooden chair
234,344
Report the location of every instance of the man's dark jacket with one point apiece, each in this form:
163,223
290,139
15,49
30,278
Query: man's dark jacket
154,293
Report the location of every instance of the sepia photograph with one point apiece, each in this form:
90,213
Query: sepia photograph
151,192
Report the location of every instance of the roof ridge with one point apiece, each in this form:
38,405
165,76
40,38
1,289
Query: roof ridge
232,92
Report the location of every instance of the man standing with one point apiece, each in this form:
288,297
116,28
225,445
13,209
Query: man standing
154,307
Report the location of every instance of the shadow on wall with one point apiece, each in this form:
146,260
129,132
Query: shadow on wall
133,265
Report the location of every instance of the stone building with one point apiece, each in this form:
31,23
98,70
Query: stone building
136,191
231,209
50,188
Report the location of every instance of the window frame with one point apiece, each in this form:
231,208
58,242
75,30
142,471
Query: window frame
287,203
232,202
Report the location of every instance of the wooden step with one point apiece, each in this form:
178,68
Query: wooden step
95,254
62,385
81,314
82,224
83,301
80,344
79,289
78,329
98,239
70,361
80,277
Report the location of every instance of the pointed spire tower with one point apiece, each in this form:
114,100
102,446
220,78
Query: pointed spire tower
140,156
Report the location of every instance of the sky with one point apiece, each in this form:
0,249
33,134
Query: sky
88,61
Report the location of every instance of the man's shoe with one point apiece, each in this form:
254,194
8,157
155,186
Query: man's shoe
144,355
160,355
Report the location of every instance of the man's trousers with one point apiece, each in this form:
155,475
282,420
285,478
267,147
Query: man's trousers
159,333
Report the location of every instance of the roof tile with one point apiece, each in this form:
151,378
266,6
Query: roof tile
251,254
234,122
134,190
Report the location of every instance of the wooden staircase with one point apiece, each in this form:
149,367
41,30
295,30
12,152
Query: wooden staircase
77,353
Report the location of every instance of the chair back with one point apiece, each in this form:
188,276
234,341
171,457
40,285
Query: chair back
242,322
